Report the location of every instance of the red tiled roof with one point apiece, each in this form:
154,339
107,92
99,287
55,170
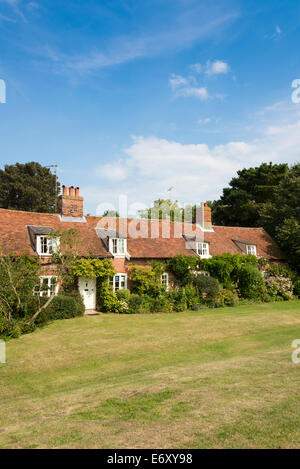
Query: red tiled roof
14,236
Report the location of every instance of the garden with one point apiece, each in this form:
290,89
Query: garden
224,280
195,285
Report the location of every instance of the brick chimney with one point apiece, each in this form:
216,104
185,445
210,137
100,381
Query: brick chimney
203,216
70,205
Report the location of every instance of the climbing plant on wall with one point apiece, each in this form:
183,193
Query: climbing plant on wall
93,268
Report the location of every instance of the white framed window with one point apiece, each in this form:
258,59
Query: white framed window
48,285
165,280
117,246
251,249
118,282
203,249
46,245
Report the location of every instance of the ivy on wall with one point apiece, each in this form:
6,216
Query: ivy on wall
93,268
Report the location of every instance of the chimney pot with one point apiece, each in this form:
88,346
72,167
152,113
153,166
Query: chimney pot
71,191
76,191
65,190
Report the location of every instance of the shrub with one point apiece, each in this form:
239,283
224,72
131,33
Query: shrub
207,287
122,307
61,307
227,298
198,307
251,283
226,267
279,286
191,296
145,281
179,299
123,295
297,288
182,267
78,299
161,304
135,302
107,300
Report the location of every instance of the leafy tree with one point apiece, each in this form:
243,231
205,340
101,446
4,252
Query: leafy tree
241,203
162,208
111,213
267,196
29,187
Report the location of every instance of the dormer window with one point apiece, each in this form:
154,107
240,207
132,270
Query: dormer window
46,245
203,250
118,246
251,249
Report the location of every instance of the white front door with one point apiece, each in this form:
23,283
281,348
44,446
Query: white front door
87,289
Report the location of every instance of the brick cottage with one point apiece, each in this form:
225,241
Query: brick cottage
126,241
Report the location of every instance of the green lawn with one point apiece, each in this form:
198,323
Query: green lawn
219,378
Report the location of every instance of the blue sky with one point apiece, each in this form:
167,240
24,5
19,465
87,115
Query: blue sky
136,96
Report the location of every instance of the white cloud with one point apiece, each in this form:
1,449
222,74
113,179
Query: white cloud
113,172
205,120
197,68
200,93
197,171
216,67
212,67
176,81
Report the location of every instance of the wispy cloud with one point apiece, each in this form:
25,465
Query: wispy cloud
205,120
14,4
182,33
182,86
276,35
200,93
176,81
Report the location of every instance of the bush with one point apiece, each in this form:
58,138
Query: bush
145,281
191,296
123,295
226,267
61,307
251,283
179,299
207,287
135,302
279,287
161,304
297,288
182,267
79,301
227,298
107,299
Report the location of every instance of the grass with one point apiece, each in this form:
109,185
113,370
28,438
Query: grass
212,379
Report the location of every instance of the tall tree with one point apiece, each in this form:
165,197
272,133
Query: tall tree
162,208
267,196
241,203
29,187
